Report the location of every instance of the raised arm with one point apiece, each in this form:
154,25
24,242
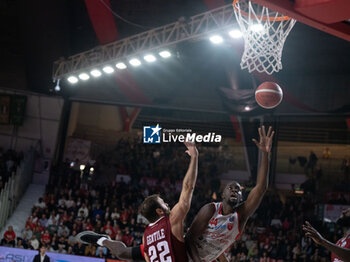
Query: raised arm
180,210
199,224
256,195
340,252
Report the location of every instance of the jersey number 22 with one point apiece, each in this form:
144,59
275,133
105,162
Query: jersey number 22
164,252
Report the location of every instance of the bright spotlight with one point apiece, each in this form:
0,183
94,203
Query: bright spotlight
235,33
121,65
96,73
108,69
216,39
72,79
247,108
135,62
165,54
84,76
257,28
150,58
57,87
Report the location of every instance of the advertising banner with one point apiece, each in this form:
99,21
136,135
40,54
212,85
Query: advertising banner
25,255
78,149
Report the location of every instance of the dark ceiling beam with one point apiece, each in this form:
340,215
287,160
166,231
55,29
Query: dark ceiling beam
286,7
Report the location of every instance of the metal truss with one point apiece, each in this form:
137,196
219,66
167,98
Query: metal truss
195,27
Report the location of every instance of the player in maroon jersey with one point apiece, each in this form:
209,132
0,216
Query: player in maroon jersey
163,239
340,250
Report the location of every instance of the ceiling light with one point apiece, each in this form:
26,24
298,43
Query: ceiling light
57,87
150,58
108,69
257,28
216,39
72,79
96,73
121,65
84,76
165,54
135,62
235,33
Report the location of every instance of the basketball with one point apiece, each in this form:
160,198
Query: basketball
268,95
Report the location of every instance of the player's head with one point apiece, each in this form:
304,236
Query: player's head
232,194
154,207
344,219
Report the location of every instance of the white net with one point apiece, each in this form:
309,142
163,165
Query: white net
264,32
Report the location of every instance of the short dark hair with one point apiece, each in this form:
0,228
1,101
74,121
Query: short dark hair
149,206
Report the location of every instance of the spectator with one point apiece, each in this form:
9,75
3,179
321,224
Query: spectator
61,249
90,250
345,167
296,252
40,204
63,230
19,243
34,243
326,153
101,252
53,228
79,249
276,222
71,238
70,251
9,237
42,257
84,210
43,220
27,233
115,214
312,161
46,238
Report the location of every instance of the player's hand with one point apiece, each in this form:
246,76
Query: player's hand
313,233
191,149
265,140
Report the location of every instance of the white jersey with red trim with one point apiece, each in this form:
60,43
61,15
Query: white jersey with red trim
220,234
344,243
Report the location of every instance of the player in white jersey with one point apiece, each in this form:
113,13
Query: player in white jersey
218,225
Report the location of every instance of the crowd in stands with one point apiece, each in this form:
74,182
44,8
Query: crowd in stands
74,202
274,232
9,160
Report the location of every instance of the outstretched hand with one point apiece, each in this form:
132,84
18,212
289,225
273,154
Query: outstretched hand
265,140
191,149
312,233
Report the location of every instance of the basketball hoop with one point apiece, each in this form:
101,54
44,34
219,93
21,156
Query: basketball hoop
264,32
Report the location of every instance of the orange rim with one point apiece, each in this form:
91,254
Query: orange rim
263,18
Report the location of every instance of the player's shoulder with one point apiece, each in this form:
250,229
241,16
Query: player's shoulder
211,206
159,222
347,240
208,210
